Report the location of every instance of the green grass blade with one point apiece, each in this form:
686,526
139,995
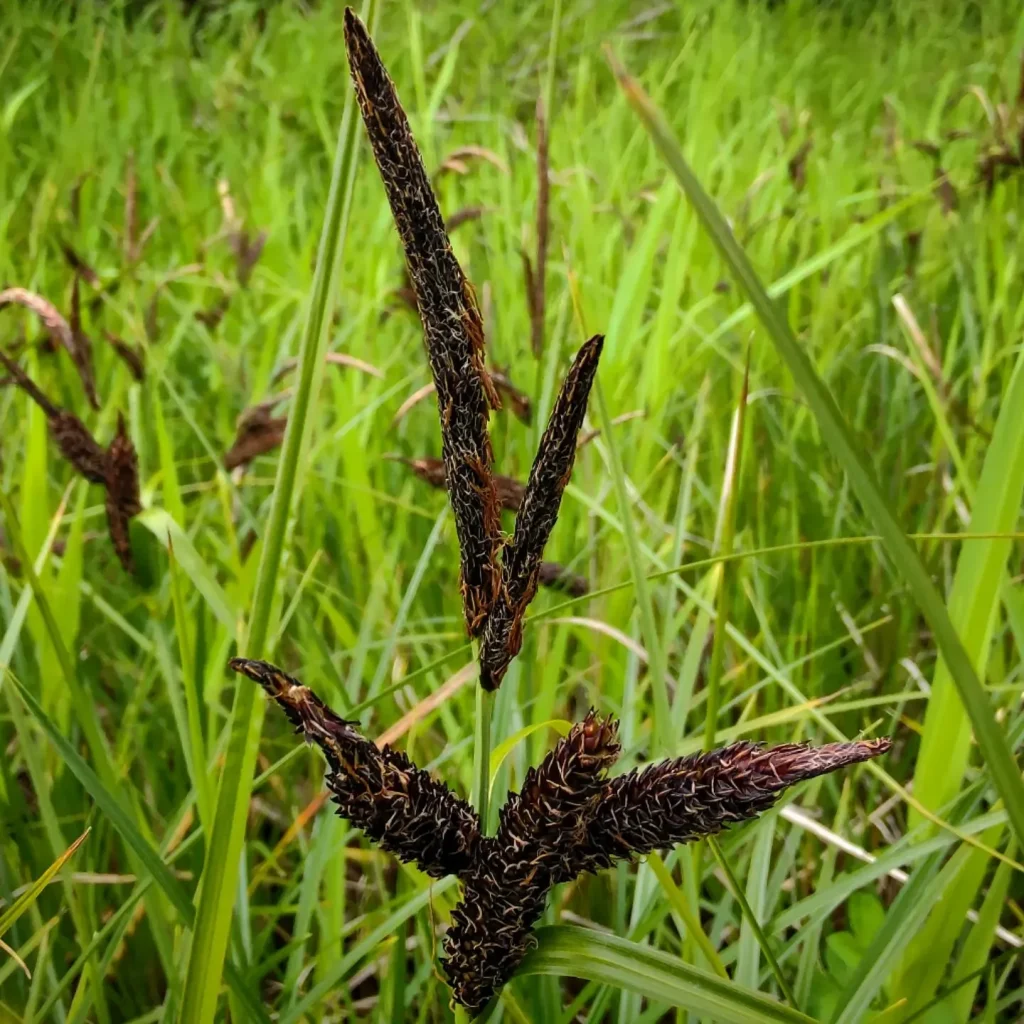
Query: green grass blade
119,818
645,604
726,534
566,950
750,919
27,898
220,868
413,905
694,929
906,914
974,600
192,563
991,740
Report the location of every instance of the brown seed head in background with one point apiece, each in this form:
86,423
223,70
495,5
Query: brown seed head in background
123,501
258,433
71,435
452,326
549,476
509,491
60,330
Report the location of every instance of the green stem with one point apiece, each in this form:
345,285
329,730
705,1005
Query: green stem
755,925
482,754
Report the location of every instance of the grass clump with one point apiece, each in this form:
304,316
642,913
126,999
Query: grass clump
159,150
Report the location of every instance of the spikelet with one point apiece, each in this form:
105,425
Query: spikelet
123,501
682,799
400,807
452,325
538,833
521,559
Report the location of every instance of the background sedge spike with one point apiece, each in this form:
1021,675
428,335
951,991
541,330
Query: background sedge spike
400,807
123,501
521,559
452,325
73,438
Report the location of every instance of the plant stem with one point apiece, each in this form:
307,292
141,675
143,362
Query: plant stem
482,754
747,912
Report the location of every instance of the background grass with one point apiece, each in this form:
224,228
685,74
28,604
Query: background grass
366,608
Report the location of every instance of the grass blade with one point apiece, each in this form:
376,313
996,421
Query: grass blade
974,600
566,950
119,818
220,869
991,740
27,898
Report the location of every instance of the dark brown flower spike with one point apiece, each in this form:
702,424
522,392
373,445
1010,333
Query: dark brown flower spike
507,886
549,476
679,800
510,492
123,502
399,806
258,433
133,356
568,818
73,438
117,468
452,326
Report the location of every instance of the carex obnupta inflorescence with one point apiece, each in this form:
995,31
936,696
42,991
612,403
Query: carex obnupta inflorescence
569,816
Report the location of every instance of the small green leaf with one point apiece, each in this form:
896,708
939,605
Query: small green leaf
502,750
30,895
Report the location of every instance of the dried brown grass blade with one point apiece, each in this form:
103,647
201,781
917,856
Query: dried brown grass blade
411,402
590,435
333,359
458,160
60,330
